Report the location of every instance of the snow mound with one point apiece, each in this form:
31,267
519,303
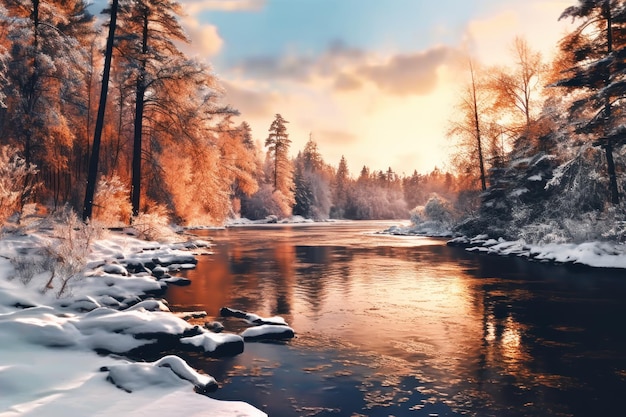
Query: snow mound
169,371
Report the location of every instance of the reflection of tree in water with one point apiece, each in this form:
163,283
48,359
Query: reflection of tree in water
317,267
285,258
535,318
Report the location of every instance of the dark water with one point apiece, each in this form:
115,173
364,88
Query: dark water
399,326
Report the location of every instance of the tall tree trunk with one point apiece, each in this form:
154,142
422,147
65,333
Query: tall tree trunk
95,150
479,145
139,105
608,146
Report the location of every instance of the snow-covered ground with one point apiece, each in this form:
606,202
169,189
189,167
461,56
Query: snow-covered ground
48,341
428,228
593,254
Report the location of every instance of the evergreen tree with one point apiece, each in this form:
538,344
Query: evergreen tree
598,53
278,143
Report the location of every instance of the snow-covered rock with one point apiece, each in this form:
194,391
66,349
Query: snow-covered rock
251,317
216,344
268,332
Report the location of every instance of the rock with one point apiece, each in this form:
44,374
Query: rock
214,326
268,332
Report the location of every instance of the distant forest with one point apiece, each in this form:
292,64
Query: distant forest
141,128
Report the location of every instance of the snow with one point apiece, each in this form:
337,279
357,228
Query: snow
592,254
48,366
427,228
268,331
210,342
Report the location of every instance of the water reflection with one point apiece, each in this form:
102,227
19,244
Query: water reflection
405,324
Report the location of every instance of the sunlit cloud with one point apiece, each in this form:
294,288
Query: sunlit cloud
251,101
205,39
197,6
347,82
409,73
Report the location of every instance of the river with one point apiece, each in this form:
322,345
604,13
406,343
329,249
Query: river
407,326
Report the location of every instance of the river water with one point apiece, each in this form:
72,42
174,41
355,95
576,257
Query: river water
406,326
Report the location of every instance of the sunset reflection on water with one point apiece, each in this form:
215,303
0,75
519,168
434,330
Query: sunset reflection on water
466,333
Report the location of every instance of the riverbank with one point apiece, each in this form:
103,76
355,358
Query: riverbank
590,254
74,304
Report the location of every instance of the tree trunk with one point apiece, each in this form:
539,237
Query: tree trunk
95,150
139,105
479,145
608,147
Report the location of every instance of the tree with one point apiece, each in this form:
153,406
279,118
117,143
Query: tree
517,89
148,29
278,145
468,130
312,183
282,170
45,83
95,151
598,48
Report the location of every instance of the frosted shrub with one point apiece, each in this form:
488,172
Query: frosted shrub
67,255
111,204
437,209
549,231
416,215
16,182
153,225
434,218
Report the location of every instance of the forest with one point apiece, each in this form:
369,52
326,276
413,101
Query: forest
115,121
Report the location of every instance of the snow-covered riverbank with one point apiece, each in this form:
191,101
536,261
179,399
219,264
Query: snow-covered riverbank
592,254
51,328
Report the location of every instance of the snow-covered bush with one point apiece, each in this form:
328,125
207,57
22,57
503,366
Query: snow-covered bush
153,225
111,203
16,182
68,252
436,217
266,202
436,209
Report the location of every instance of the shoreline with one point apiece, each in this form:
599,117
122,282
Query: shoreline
111,306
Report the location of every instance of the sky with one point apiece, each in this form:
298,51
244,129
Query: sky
375,81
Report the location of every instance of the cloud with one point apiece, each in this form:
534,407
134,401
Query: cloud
302,68
281,68
251,102
409,73
205,39
197,6
347,82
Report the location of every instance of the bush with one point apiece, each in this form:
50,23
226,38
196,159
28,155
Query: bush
17,182
154,224
111,204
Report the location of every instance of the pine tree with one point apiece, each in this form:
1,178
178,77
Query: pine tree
598,51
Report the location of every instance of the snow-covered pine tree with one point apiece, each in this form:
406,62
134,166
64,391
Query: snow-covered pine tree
598,51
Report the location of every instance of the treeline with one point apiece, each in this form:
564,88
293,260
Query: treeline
543,142
143,127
